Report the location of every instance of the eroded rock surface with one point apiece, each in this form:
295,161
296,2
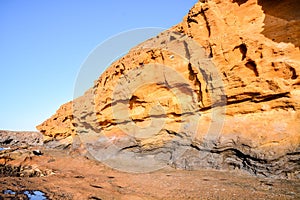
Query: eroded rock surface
20,138
221,89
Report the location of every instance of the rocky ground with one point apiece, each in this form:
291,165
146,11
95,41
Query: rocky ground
215,99
61,174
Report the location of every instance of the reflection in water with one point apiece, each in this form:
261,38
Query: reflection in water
35,195
31,194
8,192
3,148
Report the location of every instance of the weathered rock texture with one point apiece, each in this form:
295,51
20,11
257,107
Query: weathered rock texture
20,138
242,53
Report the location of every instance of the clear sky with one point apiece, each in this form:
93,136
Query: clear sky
44,43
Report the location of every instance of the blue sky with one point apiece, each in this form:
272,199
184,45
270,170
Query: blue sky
43,45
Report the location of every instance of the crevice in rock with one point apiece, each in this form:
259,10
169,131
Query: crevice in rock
207,78
210,52
240,2
243,49
106,78
131,147
254,98
206,21
88,126
175,114
124,101
187,51
294,74
192,74
173,133
85,115
190,20
171,38
106,123
238,101
270,97
137,120
252,65
166,81
70,117
199,93
294,153
195,147
134,100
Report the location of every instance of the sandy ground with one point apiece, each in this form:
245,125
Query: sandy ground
61,176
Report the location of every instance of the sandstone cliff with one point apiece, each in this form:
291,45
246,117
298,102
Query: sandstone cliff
221,89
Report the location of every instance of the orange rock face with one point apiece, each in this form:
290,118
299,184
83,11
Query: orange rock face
59,126
221,89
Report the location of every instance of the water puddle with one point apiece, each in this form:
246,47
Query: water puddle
8,192
35,195
3,148
31,194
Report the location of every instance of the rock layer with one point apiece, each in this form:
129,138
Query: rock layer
221,89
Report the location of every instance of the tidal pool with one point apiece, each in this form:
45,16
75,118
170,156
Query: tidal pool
31,194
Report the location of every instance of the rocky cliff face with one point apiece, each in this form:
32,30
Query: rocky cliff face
221,89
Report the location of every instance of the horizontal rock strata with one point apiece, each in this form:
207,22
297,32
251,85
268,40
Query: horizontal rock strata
221,89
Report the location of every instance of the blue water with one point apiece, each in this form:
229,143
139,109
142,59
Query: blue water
3,148
8,192
35,195
31,194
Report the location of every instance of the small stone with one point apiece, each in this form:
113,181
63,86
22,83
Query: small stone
37,152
